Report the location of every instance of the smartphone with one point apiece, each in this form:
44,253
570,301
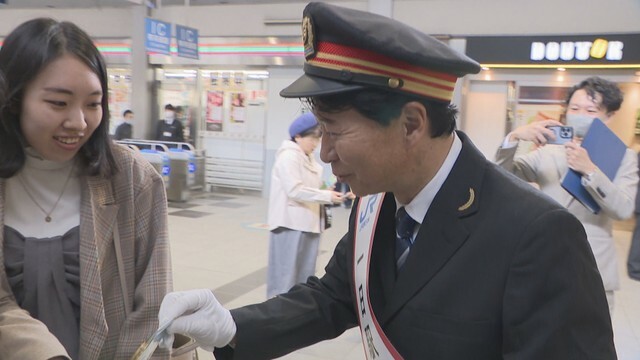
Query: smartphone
564,134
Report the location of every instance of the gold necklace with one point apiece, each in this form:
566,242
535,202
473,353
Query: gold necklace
47,214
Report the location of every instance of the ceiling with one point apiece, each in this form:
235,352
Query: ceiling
70,4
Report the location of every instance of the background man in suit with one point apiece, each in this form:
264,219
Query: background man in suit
447,256
125,130
547,166
169,128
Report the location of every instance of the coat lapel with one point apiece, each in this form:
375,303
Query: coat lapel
444,230
98,213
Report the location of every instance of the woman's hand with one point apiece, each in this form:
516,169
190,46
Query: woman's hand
336,197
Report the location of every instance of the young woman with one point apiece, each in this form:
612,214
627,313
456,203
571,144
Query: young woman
83,222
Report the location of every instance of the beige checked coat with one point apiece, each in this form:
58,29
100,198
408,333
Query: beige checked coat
135,200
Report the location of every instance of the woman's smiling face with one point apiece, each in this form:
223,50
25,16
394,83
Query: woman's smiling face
61,108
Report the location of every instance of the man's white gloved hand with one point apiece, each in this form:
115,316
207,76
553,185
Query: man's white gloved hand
197,314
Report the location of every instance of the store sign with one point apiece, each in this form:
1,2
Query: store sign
157,36
618,49
187,39
579,50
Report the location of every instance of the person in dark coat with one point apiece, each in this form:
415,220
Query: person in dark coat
447,255
125,130
169,128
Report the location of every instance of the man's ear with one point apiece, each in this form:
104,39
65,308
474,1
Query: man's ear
416,120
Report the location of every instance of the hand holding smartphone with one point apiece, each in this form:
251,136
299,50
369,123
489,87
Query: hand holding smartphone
563,134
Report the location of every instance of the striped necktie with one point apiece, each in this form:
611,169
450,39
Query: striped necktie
404,232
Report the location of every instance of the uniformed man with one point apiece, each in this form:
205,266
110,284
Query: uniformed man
447,256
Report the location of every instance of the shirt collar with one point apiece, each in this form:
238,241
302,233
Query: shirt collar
420,204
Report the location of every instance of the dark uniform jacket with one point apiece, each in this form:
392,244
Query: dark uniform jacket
124,131
170,132
505,273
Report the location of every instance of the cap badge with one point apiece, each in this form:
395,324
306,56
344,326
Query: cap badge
308,38
395,83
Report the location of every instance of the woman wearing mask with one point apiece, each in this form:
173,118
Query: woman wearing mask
547,166
295,207
83,222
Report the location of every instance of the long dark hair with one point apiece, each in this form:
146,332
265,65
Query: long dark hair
26,51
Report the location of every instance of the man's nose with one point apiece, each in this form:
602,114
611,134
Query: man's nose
327,151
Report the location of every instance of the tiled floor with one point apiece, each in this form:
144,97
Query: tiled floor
219,241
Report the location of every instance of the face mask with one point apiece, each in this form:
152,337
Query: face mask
169,116
580,123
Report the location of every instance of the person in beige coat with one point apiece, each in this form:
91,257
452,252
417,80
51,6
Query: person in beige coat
84,250
546,166
295,207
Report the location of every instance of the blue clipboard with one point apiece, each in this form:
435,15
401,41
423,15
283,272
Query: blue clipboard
606,151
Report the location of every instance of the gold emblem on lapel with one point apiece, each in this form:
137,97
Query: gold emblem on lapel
472,197
308,38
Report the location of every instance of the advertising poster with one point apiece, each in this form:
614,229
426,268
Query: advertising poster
214,110
119,98
215,79
238,107
238,79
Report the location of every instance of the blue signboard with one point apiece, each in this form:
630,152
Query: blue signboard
187,39
157,36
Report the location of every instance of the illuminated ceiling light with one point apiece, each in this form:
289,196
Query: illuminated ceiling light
485,68
562,69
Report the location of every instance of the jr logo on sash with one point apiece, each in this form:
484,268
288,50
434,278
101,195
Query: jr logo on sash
376,343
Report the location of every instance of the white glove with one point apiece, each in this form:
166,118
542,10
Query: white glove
197,314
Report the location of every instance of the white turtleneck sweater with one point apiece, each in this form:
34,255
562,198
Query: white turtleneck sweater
45,181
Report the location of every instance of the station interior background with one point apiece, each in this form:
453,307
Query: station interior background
251,49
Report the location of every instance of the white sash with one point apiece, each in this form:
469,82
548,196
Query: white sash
375,342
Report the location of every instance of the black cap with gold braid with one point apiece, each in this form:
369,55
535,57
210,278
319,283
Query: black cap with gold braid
348,49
